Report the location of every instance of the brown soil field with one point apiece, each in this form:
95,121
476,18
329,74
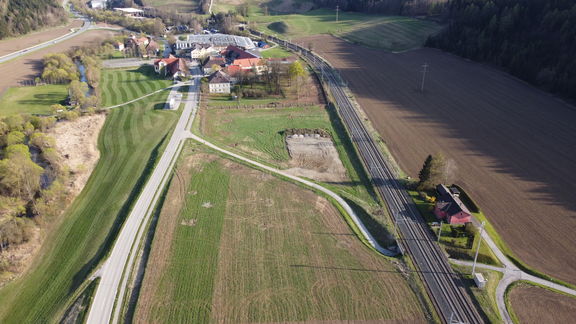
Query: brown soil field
513,144
315,158
11,45
538,305
28,67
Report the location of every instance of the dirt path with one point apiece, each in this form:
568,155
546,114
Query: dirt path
513,144
29,66
11,45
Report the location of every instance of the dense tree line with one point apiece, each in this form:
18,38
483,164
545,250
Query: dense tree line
532,39
391,7
23,16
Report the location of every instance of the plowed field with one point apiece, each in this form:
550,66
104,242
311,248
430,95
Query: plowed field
12,45
514,145
533,305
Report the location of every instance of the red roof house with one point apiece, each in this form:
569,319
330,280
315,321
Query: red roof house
171,66
243,59
450,208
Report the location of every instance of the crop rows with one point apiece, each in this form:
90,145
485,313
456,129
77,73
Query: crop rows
123,85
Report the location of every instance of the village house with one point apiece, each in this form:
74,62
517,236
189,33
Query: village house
171,66
246,61
202,50
98,4
219,82
210,62
449,207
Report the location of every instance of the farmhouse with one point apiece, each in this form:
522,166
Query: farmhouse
449,207
245,60
171,66
218,41
202,50
98,4
219,82
211,61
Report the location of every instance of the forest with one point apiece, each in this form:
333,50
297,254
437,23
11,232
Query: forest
389,7
531,39
23,16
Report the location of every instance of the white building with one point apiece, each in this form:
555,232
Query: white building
98,4
219,82
218,41
480,280
202,50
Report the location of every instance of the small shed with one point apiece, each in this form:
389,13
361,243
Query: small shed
480,280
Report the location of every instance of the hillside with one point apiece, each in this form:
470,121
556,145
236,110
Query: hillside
531,39
23,16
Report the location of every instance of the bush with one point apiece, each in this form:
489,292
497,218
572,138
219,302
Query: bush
253,93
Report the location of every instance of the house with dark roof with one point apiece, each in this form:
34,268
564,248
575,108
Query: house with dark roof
219,82
211,61
245,60
171,66
449,207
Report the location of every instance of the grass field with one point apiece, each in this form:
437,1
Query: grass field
177,5
130,142
32,100
258,133
249,247
121,85
276,52
392,33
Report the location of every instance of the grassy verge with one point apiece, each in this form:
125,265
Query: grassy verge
276,52
32,100
130,142
485,298
122,85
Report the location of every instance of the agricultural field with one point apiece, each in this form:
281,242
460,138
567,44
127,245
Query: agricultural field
243,246
32,100
130,141
510,141
122,85
259,133
276,52
181,6
531,304
29,66
392,33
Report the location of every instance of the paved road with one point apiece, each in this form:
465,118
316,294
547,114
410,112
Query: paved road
8,57
444,287
111,289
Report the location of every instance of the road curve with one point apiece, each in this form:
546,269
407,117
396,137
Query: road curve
444,287
110,291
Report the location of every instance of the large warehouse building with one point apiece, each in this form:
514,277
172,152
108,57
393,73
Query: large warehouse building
216,40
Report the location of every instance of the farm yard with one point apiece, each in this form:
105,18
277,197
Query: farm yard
29,66
122,85
533,304
234,244
130,141
510,141
32,100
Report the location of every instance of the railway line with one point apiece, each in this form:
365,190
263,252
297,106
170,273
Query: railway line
445,288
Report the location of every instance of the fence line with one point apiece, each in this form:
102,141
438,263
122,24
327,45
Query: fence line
266,106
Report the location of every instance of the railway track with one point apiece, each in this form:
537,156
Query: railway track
445,288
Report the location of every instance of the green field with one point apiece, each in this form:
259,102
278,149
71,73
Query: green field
249,247
392,33
177,5
258,134
122,85
32,100
130,142
276,52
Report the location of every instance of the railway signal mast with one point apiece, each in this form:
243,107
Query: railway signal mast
424,71
337,10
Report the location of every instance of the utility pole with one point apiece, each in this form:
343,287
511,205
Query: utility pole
424,71
478,247
337,9
440,231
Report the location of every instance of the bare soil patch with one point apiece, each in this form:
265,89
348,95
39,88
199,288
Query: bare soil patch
534,305
315,158
77,144
513,144
28,67
15,44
